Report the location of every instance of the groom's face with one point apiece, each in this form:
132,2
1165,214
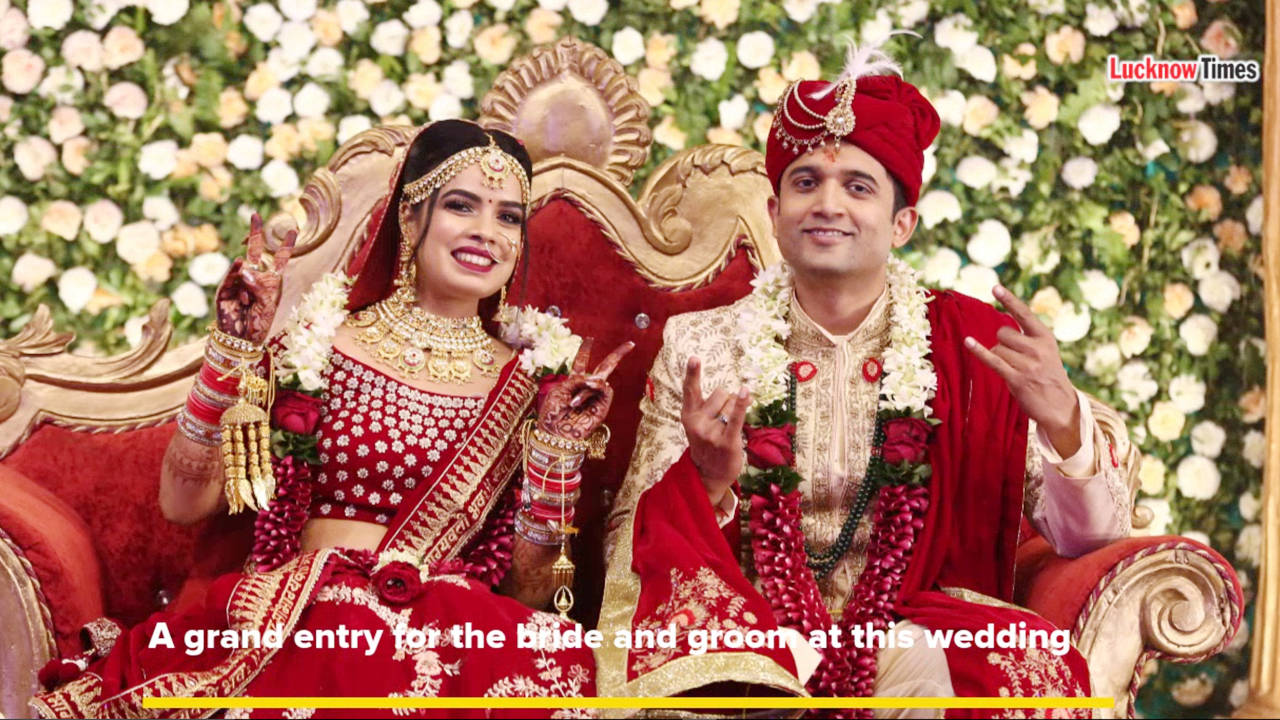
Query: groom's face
834,214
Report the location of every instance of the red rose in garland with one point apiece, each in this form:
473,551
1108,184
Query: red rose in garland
906,440
398,583
770,446
296,412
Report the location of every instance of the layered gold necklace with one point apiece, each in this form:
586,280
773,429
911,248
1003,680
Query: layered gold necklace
411,340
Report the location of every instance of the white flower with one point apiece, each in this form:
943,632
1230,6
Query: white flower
63,84
1013,176
1216,93
976,171
1099,21
979,62
99,12
76,287
1191,98
1249,544
424,13
709,59
325,63
157,159
274,106
22,71
457,80
942,268
755,49
137,241
1198,332
350,126
733,112
13,215
103,220
1161,516
1198,537
628,45
1072,323
1153,150
298,9
950,106
1135,336
208,268
1136,384
121,46
31,271
588,12
937,206
876,30
295,41
446,106
166,12
64,123
1166,421
281,180
1079,172
189,299
52,14
926,171
245,152
1098,289
1099,123
457,29
33,156
312,101
1253,215
1254,452
160,210
990,244
800,10
1198,477
263,21
81,49
955,33
1187,393
1151,475
1102,359
912,12
1200,257
1024,147
126,100
14,30
1132,12
389,37
1207,438
977,281
1197,141
387,98
1218,289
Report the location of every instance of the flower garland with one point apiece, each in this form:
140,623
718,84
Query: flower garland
897,470
547,348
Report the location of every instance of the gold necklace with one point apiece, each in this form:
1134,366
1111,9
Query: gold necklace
412,340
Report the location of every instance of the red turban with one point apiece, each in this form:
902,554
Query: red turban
891,121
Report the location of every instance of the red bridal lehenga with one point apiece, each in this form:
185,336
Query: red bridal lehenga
438,471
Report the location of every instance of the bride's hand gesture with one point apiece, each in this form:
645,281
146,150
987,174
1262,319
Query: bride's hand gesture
248,296
578,404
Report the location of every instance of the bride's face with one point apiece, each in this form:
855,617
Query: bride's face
472,243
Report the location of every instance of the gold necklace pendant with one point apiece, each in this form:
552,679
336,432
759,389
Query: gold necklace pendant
411,340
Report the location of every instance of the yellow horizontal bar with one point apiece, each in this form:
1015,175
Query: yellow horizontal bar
657,703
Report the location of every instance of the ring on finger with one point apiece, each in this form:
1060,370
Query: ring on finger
724,419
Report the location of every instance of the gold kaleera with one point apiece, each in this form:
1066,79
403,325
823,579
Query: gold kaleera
250,481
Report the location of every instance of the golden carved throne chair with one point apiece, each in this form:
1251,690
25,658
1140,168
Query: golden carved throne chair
81,439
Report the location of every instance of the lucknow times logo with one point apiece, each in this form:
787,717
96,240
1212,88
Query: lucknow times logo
1205,68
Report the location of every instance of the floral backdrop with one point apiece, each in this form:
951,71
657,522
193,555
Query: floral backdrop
142,134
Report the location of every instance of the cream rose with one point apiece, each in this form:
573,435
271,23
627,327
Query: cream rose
979,62
976,171
1123,222
1255,453
1047,303
912,12
1221,38
137,241
189,299
1041,107
14,30
207,269
938,206
232,109
1099,21
1249,545
942,268
755,49
1186,392
769,85
62,218
157,159
1038,251
588,12
709,59
1200,257
1099,290
1136,384
364,77
659,50
1151,475
390,36
1102,360
1218,290
76,287
446,106
1178,300
161,211
352,14
800,10
1135,337
274,106
1198,332
733,112
458,81
1072,323
990,244
33,156
1161,516
762,125
955,33
1207,438
75,155
653,84
30,271
421,90
1016,70
628,45
1184,14
280,178
83,49
1079,172
1099,123
424,13
387,98
262,21
1253,405
64,124
312,101
952,107
1198,477
1023,147
121,46
1166,421
542,26
802,65
126,100
1066,44
496,43
667,133
352,125
457,29
22,71
52,14
719,13
1197,141
167,12
102,220
979,113
977,281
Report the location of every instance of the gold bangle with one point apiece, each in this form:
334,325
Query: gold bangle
235,347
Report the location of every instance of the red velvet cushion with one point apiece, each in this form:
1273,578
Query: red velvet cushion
56,542
110,481
1059,588
574,267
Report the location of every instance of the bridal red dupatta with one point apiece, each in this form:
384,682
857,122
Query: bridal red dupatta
674,565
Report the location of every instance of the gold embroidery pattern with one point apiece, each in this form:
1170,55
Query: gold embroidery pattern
701,602
1037,674
449,513
552,680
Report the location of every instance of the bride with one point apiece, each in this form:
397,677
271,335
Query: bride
414,510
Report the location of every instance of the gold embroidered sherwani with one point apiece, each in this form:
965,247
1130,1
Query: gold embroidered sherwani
1078,504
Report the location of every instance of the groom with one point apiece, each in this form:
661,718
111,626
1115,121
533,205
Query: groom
877,399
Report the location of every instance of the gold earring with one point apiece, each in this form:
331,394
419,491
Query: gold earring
405,270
